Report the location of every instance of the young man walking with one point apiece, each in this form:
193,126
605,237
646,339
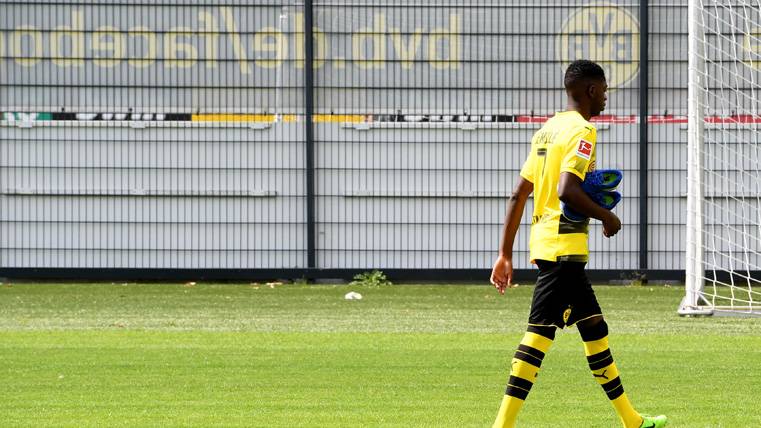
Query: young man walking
562,153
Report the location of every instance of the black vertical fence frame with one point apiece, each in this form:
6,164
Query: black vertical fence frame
644,107
309,132
312,272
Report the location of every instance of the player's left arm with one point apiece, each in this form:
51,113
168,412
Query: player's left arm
572,194
579,159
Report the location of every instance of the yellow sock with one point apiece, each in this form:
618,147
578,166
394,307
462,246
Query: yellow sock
605,371
508,411
523,372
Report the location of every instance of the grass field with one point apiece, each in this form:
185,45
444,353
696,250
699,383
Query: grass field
298,355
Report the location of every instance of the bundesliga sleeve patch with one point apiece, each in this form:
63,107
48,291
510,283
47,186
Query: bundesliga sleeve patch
584,150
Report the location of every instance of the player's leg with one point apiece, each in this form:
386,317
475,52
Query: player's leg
544,318
523,372
585,312
594,333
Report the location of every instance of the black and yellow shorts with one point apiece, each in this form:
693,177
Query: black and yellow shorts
563,295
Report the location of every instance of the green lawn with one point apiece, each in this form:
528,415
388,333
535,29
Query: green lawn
432,355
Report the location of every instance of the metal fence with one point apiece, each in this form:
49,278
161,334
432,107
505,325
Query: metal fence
238,140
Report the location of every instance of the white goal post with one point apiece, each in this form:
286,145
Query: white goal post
723,237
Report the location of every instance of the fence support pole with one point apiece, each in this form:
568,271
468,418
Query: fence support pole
644,86
309,132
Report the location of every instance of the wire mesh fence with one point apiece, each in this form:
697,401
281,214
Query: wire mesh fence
219,135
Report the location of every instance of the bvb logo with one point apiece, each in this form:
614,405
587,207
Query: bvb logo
606,34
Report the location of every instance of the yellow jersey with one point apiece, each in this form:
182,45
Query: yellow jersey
566,143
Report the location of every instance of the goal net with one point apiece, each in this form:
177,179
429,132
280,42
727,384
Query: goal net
723,267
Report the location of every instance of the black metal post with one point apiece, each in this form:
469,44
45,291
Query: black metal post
644,86
309,132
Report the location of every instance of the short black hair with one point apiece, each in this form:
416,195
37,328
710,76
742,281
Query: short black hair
582,70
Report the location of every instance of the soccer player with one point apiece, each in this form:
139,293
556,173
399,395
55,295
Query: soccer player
562,153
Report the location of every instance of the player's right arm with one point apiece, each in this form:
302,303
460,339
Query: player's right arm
502,272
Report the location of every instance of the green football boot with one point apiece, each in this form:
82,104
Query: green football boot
653,421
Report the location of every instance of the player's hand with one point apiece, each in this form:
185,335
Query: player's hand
502,274
611,225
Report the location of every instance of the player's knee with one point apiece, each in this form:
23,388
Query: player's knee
592,329
543,330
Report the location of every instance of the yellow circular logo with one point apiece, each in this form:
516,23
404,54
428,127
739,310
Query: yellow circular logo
606,34
566,315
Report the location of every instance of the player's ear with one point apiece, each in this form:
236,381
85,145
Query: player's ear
592,89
